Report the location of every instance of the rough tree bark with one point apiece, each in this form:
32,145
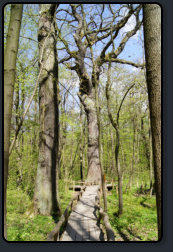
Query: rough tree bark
152,42
46,193
103,178
10,57
94,174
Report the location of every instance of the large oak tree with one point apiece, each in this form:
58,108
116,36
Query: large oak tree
88,31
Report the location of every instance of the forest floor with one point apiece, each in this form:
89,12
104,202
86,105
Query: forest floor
22,224
138,221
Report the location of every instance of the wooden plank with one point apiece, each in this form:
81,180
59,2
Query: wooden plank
73,234
82,223
67,238
94,236
85,237
78,237
52,236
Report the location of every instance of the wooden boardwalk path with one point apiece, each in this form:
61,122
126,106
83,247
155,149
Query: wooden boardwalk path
82,223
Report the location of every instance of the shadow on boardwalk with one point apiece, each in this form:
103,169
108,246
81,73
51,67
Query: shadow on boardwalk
82,224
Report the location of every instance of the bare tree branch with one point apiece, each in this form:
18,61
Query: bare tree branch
113,55
121,61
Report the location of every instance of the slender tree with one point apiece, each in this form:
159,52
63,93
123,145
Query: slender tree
10,57
115,124
152,42
112,149
46,193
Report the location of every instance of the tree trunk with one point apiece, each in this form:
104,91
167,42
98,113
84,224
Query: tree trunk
62,166
123,161
71,154
103,177
146,144
10,57
152,40
84,151
133,153
151,163
119,172
45,198
137,161
16,104
81,146
94,173
113,159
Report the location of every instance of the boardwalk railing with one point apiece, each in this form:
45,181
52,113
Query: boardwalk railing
77,185
102,215
54,235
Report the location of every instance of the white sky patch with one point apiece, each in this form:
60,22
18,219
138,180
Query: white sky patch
130,26
123,11
135,70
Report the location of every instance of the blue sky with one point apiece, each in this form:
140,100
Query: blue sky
133,50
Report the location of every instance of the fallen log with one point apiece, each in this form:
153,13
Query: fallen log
109,231
104,216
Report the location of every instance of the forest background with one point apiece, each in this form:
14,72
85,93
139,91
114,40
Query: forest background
135,155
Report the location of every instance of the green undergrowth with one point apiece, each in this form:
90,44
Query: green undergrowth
138,221
22,224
